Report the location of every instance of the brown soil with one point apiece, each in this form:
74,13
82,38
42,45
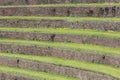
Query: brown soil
61,53
61,38
112,11
20,2
71,72
100,25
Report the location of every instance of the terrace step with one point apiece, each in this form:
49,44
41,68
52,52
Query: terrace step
23,2
104,24
33,74
52,68
63,35
61,53
94,10
6,76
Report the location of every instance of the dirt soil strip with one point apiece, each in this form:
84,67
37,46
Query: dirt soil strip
6,76
21,2
62,38
56,69
100,25
60,53
106,11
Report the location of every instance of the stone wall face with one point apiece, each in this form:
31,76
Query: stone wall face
21,2
32,8
60,53
110,11
6,76
61,70
61,38
99,25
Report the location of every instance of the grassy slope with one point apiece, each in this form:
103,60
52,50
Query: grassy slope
115,72
67,5
108,70
89,48
82,32
34,74
72,19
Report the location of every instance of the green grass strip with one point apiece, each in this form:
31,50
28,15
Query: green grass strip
89,48
70,19
81,32
104,69
34,74
66,5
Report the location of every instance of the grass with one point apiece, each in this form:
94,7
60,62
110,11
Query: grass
68,31
89,48
70,19
104,69
66,5
33,74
